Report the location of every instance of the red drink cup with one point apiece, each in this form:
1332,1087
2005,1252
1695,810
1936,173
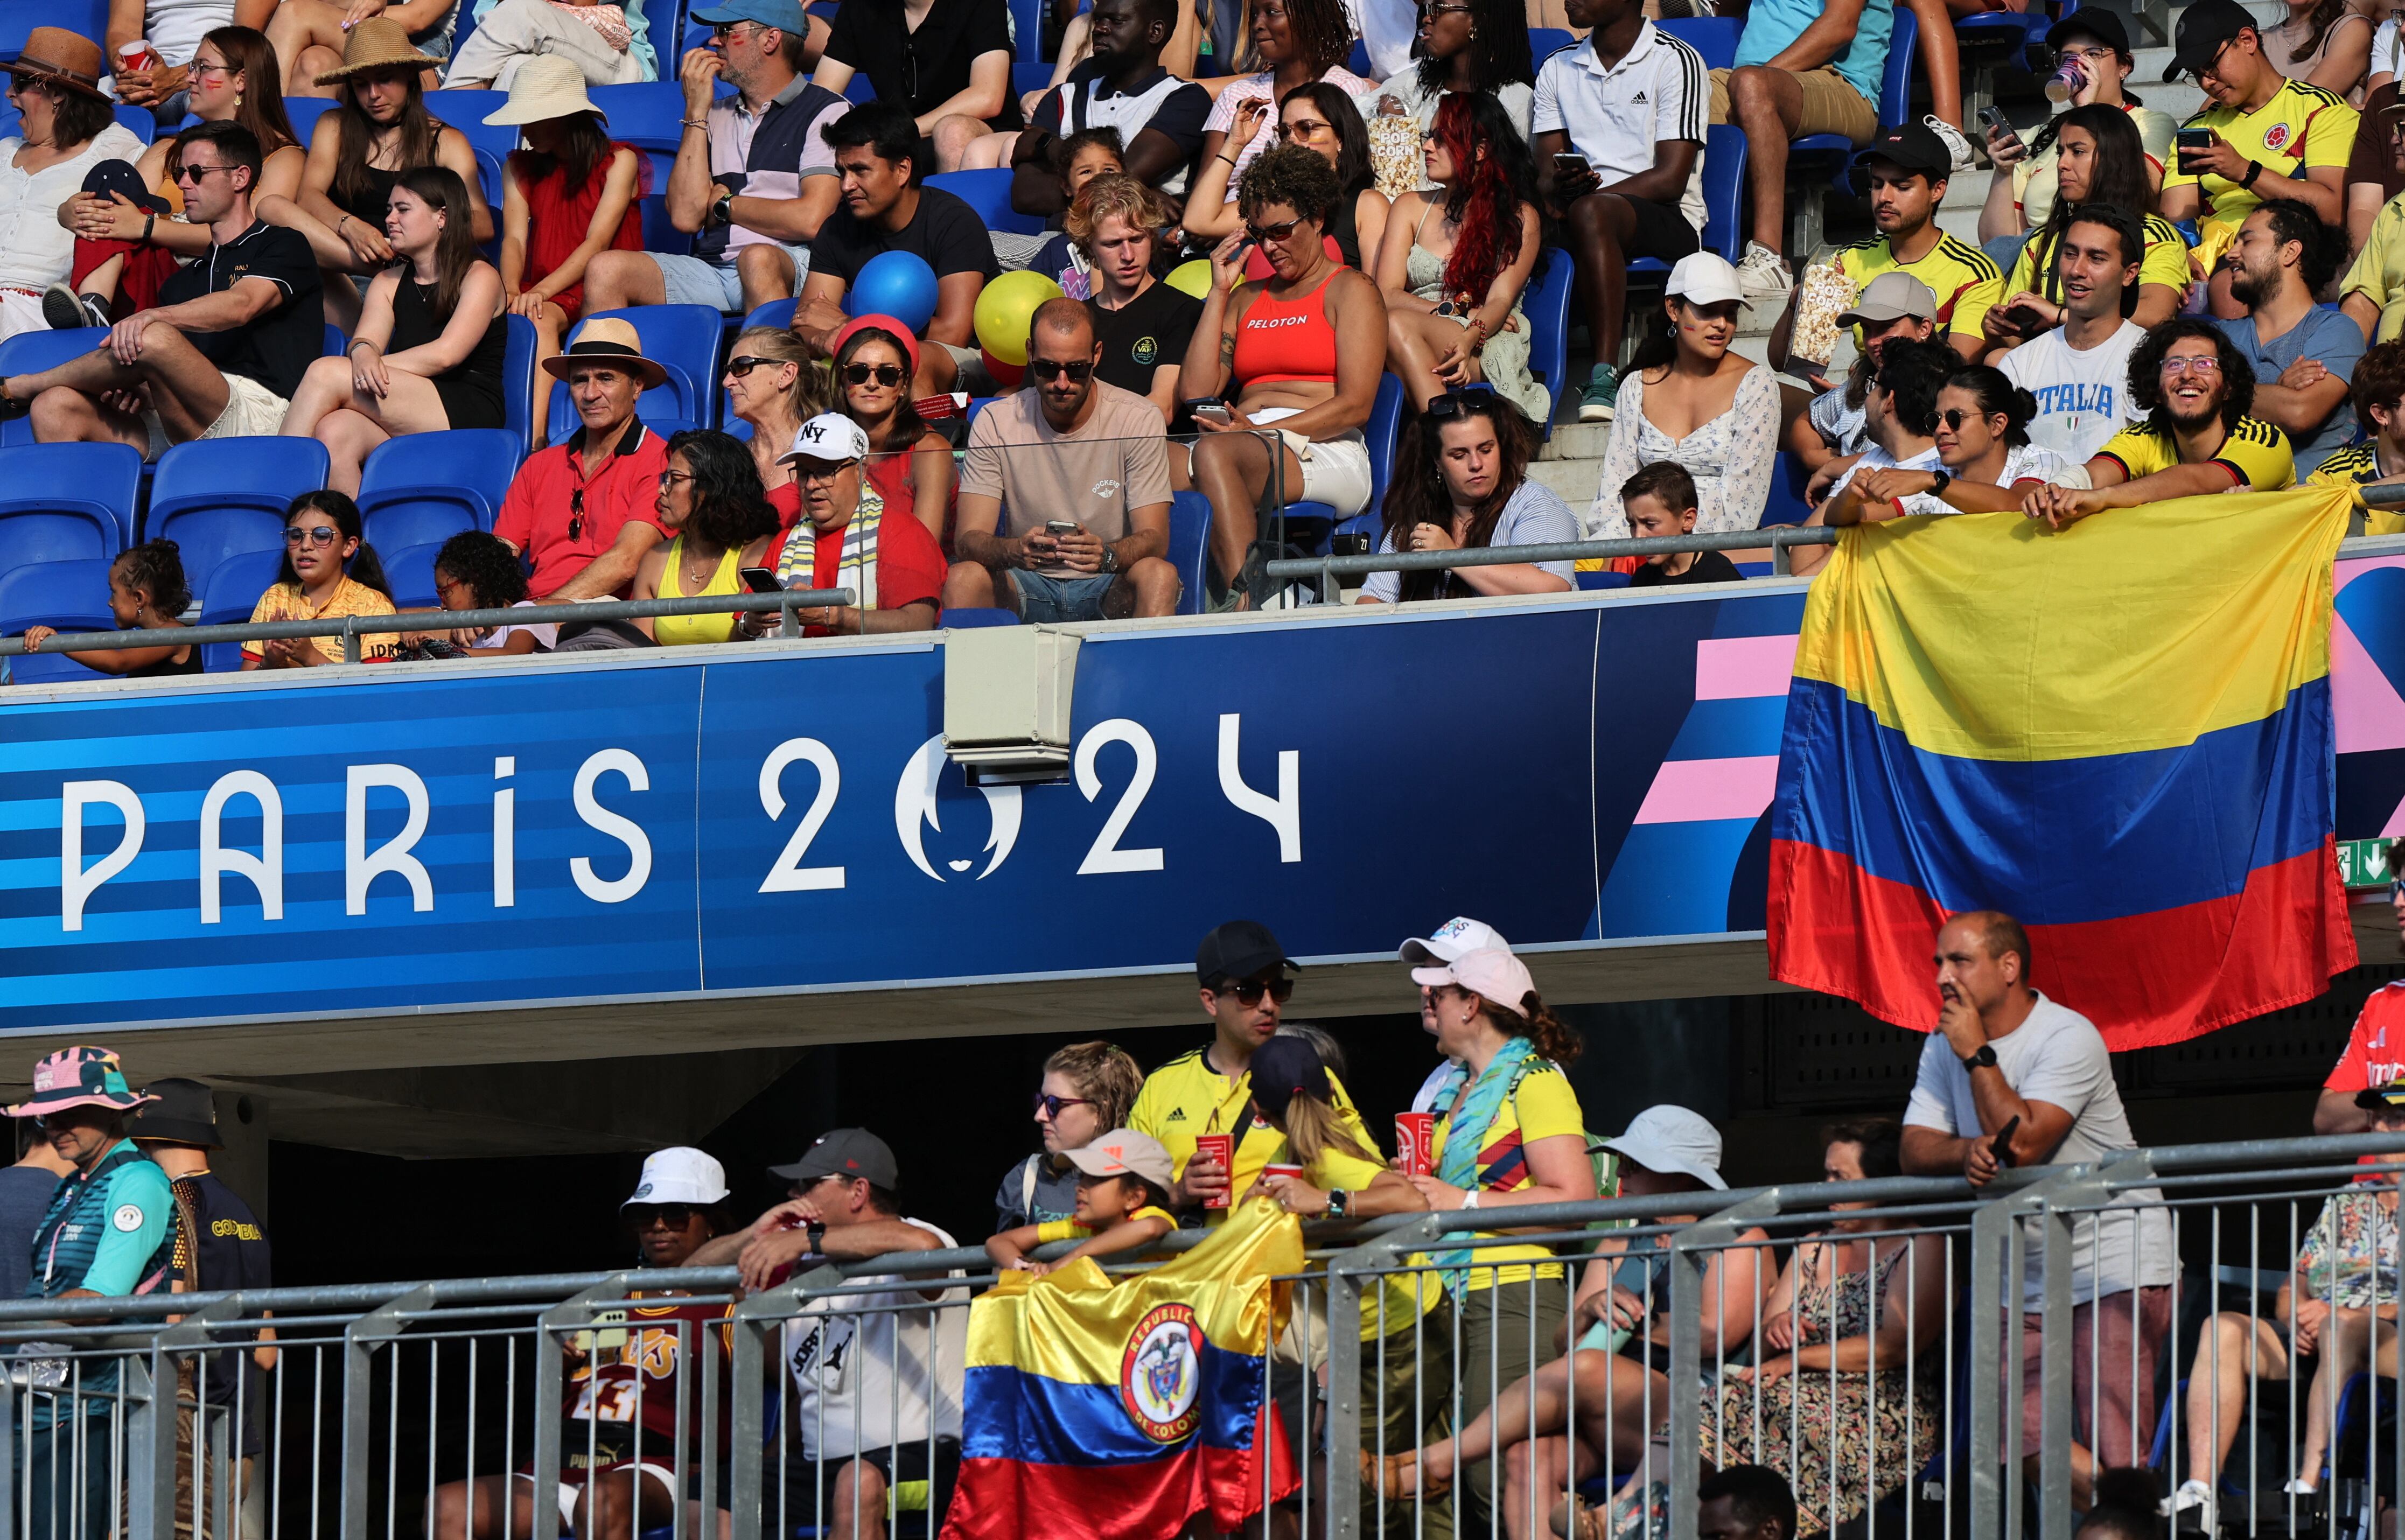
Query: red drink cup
1220,1149
1415,1142
1294,1171
137,55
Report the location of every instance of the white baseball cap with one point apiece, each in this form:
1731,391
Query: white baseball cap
1123,1152
831,436
1705,278
1673,1138
1450,940
679,1175
1490,971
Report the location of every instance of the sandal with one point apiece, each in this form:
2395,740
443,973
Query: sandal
1575,1521
1386,1475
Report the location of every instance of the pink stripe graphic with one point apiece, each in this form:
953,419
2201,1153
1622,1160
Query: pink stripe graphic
1701,791
2364,707
1735,667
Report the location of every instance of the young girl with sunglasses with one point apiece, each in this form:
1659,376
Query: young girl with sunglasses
329,572
910,464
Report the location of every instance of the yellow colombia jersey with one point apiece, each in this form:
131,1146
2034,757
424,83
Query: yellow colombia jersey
1962,276
1187,1097
1540,1106
2165,262
2256,454
2301,125
2352,467
1070,1229
1408,1296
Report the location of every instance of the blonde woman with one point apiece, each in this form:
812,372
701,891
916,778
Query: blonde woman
1087,1089
774,384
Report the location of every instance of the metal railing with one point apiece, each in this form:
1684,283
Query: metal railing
1857,1336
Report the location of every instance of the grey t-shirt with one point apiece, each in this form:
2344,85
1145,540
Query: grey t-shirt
25,1193
1054,1194
2324,335
2057,1055
1846,429
1534,516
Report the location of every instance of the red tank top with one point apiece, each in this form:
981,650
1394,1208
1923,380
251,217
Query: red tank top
558,218
1287,339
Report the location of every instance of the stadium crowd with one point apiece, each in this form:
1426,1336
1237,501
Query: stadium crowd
1478,1380
1241,238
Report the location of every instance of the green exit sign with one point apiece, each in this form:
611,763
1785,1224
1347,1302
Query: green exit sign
2364,863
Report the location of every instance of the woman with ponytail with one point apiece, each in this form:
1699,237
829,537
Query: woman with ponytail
1453,290
329,572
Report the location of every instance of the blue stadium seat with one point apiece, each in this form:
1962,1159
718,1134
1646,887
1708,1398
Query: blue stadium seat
689,340
989,193
859,90
67,502
427,487
335,342
775,313
67,596
489,179
305,111
1788,479
517,380
1309,525
466,110
230,598
1026,77
410,571
138,122
1027,29
31,352
1826,156
1547,304
216,498
648,115
1713,37
969,617
1589,583
1189,547
87,18
1725,189
1545,42
1358,61
660,232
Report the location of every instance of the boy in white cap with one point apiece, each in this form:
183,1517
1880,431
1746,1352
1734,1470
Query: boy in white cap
844,540
1123,1182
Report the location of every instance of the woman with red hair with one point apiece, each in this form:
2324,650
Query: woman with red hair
1453,290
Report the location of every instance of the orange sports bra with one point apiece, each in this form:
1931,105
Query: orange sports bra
1288,340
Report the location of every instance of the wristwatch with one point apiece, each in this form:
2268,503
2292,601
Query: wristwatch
1941,481
1984,1059
1337,1203
1110,560
817,1228
1469,1198
2254,168
723,211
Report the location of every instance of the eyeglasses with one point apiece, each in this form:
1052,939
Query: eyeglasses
737,368
445,585
1050,1106
202,71
1053,368
188,173
821,471
642,1216
888,376
315,534
1248,991
2198,364
1433,11
1264,234
1461,403
676,478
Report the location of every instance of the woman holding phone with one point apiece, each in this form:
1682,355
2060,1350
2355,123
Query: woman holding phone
2100,158
710,496
2093,42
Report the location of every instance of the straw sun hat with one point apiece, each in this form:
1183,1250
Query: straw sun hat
376,44
546,87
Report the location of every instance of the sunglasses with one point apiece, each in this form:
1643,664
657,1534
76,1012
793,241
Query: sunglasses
888,376
1263,234
194,174
1954,417
1303,127
1053,368
1248,991
1050,1106
642,1216
1461,403
576,515
738,368
315,534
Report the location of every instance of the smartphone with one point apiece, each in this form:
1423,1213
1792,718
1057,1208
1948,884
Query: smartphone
1060,527
2187,139
2022,318
1211,411
759,580
1573,166
1993,116
2002,1146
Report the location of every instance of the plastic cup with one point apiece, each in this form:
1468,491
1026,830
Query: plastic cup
1219,1149
1415,1142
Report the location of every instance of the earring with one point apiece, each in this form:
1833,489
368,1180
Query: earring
237,101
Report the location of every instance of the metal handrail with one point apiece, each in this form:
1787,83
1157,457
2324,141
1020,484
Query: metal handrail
352,627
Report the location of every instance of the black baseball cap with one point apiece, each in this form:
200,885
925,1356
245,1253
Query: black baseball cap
2091,22
852,1153
2204,28
119,176
1241,948
1282,1067
1915,147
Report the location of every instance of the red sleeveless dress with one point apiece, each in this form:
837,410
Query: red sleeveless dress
558,216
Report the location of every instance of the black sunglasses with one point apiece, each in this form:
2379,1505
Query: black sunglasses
1248,991
1053,368
1261,233
884,374
1461,403
642,1216
576,515
1954,417
1052,1106
747,363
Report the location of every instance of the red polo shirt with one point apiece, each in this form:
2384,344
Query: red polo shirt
562,520
909,564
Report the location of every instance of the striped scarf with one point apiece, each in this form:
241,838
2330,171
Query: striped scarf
1468,1110
796,565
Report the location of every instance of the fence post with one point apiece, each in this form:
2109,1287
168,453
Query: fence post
150,1452
550,1390
2081,1186
1688,1260
755,1318
359,1340
351,646
1346,1272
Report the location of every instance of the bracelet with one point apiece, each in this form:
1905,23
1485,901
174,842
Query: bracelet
357,344
702,124
1230,158
149,222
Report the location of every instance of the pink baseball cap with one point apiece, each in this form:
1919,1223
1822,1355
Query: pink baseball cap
1490,971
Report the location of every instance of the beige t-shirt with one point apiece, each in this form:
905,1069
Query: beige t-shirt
1117,461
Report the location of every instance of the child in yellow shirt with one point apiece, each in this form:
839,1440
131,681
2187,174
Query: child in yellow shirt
1123,1181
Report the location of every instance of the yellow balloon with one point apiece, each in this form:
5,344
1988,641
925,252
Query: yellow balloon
1006,307
1193,277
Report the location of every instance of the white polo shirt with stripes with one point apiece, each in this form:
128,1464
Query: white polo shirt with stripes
1615,117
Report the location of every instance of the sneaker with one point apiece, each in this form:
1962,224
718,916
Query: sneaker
1957,144
1602,394
68,311
2194,1496
1763,276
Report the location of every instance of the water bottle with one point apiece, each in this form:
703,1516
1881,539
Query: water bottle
2068,79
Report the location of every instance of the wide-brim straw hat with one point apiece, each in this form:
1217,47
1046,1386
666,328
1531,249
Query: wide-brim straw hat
546,87
69,58
376,43
607,340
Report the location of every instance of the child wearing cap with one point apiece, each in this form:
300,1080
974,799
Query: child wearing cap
1123,1181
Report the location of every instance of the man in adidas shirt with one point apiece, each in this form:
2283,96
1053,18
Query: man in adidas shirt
1245,980
2196,388
2079,372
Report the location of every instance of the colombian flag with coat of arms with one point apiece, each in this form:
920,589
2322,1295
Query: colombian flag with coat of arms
1117,1412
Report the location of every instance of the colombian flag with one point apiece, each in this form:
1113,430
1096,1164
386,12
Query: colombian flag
2120,733
1095,1411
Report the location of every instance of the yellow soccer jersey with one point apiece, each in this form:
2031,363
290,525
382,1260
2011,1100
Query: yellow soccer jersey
2302,126
2352,467
2165,262
1188,1096
2256,455
1962,276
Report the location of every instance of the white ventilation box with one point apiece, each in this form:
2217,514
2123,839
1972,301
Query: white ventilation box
1007,693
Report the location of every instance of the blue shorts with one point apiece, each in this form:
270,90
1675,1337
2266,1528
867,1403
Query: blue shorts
1043,600
692,280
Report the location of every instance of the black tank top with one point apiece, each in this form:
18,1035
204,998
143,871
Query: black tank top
471,390
368,204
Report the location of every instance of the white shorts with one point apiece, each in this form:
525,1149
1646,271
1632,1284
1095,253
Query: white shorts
570,1492
251,412
1335,471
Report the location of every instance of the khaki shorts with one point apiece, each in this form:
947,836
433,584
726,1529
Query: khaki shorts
1830,105
251,412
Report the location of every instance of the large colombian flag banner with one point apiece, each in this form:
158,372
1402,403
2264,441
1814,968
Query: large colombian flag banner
1103,1412
2120,733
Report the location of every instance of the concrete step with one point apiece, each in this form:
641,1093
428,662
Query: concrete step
1575,441
1573,481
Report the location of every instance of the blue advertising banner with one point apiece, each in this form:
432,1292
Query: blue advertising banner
714,820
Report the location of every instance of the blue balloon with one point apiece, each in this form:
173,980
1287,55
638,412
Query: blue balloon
899,283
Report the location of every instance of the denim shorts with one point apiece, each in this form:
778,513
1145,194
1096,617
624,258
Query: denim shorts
1044,600
692,280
